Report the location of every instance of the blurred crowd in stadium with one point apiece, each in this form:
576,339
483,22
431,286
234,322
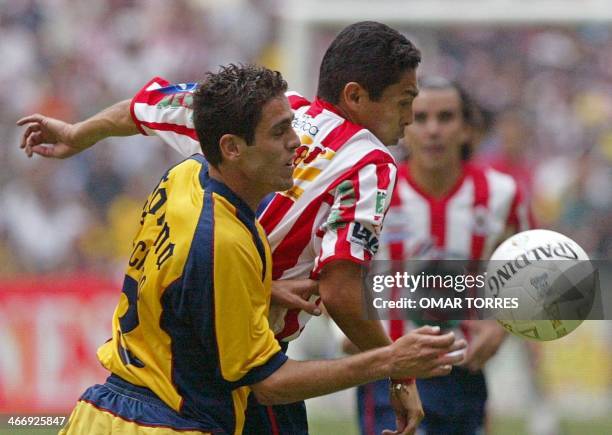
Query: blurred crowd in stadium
545,95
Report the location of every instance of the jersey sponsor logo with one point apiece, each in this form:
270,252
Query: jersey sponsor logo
304,124
362,236
173,101
305,154
379,212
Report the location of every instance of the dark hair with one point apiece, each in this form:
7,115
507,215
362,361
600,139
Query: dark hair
369,53
471,113
230,102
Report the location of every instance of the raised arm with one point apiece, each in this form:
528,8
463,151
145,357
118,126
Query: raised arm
159,108
50,137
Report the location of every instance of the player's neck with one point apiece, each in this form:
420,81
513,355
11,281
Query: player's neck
239,185
436,182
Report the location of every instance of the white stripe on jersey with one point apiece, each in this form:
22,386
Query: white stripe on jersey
176,116
459,221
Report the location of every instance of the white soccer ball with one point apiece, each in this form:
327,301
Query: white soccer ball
549,280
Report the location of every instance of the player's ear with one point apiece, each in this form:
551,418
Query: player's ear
230,147
352,95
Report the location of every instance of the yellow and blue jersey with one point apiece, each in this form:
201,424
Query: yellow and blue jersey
192,321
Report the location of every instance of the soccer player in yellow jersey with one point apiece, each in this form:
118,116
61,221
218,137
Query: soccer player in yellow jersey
190,336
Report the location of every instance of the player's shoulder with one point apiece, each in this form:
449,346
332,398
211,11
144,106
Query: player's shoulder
364,144
497,181
187,167
296,100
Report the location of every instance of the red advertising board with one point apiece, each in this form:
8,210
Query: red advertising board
50,328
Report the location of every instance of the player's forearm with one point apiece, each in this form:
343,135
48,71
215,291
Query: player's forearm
300,380
340,289
115,120
365,334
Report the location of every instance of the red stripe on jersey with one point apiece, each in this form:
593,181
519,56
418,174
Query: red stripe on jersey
275,211
383,177
438,220
291,325
481,201
142,96
151,96
514,219
297,101
315,108
340,135
347,215
437,206
178,129
383,183
286,254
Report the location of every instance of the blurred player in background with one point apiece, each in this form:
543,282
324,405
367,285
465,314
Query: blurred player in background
328,223
444,208
191,337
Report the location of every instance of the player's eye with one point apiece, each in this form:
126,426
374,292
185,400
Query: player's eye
420,117
446,116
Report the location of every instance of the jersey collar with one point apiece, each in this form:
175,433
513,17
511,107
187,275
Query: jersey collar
213,185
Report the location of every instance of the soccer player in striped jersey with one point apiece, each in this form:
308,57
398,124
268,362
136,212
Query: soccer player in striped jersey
328,224
444,207
191,337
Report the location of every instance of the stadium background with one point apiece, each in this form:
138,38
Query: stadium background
66,227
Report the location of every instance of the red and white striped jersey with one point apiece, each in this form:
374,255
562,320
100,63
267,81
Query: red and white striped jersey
466,224
343,182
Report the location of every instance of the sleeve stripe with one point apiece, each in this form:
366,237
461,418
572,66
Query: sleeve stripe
258,374
140,97
178,129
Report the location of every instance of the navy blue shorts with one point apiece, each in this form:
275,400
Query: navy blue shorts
287,419
118,407
453,405
279,419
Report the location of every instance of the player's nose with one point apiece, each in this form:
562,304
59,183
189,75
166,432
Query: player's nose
294,141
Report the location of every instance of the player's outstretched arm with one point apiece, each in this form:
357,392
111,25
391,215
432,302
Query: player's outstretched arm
423,353
50,137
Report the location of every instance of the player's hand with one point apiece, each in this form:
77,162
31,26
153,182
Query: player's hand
408,410
296,293
424,353
47,137
487,338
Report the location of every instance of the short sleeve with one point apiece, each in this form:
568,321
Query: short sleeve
166,110
353,225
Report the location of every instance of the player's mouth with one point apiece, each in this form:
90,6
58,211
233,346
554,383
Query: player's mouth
434,149
289,167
